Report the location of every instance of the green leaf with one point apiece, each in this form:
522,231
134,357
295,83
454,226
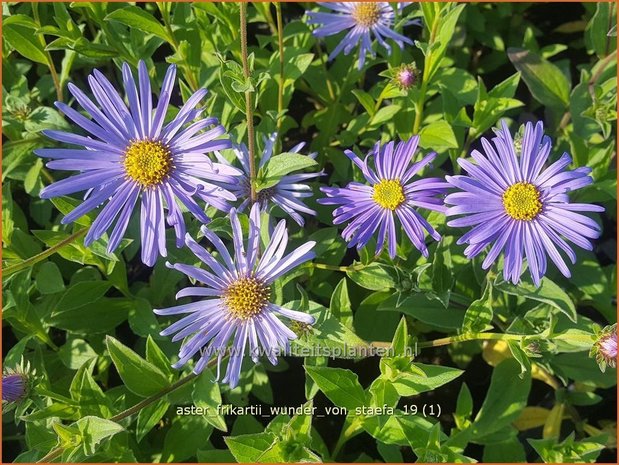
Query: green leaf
25,42
445,26
596,34
375,277
206,395
249,448
464,405
570,450
81,294
87,394
506,397
138,18
93,430
442,274
340,305
547,292
149,416
384,115
326,333
479,314
187,435
547,83
365,100
156,356
438,136
408,382
281,165
141,377
339,385
48,279
75,353
400,342
99,316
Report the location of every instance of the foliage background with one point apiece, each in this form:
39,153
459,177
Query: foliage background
78,316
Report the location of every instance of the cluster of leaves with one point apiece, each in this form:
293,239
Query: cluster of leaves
67,315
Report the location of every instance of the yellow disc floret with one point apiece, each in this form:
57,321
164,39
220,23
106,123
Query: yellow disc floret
366,14
522,201
147,162
389,193
246,297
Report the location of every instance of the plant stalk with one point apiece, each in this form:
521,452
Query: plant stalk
280,46
249,105
9,270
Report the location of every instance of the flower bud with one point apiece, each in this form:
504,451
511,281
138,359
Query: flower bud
16,383
406,76
605,348
13,387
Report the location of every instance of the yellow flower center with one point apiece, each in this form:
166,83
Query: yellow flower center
389,193
366,14
522,201
148,162
246,297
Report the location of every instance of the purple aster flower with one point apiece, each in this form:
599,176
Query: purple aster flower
130,154
286,194
518,207
361,19
237,307
392,193
13,387
16,384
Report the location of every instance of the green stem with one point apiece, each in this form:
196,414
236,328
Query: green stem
280,46
189,76
323,63
424,82
470,337
9,270
344,269
249,105
50,62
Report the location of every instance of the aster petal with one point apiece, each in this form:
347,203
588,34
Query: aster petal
123,219
77,183
164,100
293,314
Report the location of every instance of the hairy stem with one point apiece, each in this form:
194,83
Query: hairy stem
9,270
469,337
249,106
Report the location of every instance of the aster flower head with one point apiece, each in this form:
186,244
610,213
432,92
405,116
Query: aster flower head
131,154
237,307
16,384
362,20
404,76
392,193
286,194
520,208
604,348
